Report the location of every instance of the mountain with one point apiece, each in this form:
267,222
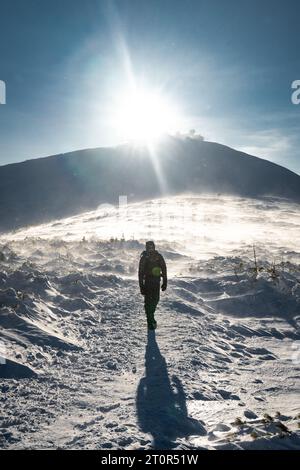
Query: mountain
44,189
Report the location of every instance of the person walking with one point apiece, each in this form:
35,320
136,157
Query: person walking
152,268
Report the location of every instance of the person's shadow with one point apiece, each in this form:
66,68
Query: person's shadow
161,403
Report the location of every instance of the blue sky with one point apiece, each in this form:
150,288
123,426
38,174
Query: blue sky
228,65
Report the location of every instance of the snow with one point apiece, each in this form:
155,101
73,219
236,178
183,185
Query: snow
221,371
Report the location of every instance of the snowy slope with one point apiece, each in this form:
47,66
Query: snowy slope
221,371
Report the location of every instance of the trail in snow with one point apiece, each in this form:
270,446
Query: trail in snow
221,371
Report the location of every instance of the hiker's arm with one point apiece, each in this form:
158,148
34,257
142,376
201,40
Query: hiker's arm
164,273
141,273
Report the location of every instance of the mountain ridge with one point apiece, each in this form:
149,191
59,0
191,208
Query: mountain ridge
47,188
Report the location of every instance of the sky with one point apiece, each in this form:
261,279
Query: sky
227,66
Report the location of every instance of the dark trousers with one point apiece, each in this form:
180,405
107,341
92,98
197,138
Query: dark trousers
151,300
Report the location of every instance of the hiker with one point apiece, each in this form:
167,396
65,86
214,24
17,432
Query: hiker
151,268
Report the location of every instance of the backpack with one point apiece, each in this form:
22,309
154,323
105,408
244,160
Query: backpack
151,264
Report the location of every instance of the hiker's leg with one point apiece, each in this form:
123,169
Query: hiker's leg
152,288
152,302
149,309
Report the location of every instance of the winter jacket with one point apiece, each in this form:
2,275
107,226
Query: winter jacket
152,267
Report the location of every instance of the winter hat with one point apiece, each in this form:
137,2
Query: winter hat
150,244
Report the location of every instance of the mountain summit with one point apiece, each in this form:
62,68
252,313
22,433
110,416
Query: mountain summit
44,189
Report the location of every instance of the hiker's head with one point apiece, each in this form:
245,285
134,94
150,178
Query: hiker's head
150,246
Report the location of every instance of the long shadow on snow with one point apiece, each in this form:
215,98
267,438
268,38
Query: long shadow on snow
161,402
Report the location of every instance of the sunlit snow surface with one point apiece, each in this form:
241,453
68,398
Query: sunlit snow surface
83,373
202,225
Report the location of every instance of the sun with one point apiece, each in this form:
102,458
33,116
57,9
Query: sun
144,116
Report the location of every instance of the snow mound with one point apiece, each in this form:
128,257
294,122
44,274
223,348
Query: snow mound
14,370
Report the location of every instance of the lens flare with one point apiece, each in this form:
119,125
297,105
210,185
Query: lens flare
144,116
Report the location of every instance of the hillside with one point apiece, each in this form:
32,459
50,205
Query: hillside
48,188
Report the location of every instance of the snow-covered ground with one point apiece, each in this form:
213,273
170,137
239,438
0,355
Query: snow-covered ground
221,371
